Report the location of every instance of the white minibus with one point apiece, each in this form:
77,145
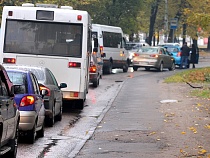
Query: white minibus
112,46
52,37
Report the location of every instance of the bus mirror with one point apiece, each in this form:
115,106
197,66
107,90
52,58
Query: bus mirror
95,42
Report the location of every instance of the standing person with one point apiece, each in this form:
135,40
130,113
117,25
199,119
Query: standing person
193,55
185,52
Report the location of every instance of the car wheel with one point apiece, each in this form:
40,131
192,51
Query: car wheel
172,67
147,68
135,68
160,67
32,135
59,116
96,83
125,68
51,120
40,133
14,145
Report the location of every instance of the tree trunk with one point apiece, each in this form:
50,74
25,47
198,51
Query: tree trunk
208,45
184,33
153,15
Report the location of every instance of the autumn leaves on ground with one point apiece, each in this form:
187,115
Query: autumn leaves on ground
186,123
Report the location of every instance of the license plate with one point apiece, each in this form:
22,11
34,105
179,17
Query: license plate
143,63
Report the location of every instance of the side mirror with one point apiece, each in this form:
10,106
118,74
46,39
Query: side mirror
63,85
95,42
18,89
44,92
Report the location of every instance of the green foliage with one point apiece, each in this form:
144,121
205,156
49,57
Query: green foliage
201,75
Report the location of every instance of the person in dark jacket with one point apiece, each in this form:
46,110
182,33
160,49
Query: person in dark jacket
193,55
185,52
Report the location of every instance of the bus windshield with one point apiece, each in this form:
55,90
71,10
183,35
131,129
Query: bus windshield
43,38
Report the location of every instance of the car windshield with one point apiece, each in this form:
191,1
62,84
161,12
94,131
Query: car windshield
19,78
148,50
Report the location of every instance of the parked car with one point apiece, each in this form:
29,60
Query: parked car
9,117
29,100
153,57
53,100
133,47
176,51
96,64
170,44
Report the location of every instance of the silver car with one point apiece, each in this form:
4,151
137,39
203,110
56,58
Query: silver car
153,57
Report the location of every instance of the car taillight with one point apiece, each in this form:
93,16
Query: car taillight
43,87
93,69
27,100
135,54
178,54
154,55
74,64
74,94
9,60
101,49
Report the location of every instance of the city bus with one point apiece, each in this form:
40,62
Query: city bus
52,37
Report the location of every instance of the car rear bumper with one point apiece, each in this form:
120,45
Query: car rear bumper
27,120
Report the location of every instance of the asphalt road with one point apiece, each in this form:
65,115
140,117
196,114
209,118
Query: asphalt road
121,105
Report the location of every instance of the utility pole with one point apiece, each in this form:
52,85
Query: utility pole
166,21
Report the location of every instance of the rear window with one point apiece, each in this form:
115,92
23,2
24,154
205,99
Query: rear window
19,78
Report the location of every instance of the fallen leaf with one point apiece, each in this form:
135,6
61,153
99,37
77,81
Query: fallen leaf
202,152
183,132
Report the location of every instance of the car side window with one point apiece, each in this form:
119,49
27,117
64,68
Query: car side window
49,78
35,84
3,88
53,78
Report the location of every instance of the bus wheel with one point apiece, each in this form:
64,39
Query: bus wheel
80,104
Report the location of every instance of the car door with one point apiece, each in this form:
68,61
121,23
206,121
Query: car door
3,109
8,105
166,58
39,105
56,90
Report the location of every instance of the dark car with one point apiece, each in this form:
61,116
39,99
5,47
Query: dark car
53,100
9,117
29,100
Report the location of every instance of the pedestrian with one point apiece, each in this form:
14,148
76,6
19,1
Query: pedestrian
193,55
185,52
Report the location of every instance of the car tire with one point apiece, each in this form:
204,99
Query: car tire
160,67
51,120
32,135
96,83
14,145
40,133
125,68
147,68
172,67
135,68
59,116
